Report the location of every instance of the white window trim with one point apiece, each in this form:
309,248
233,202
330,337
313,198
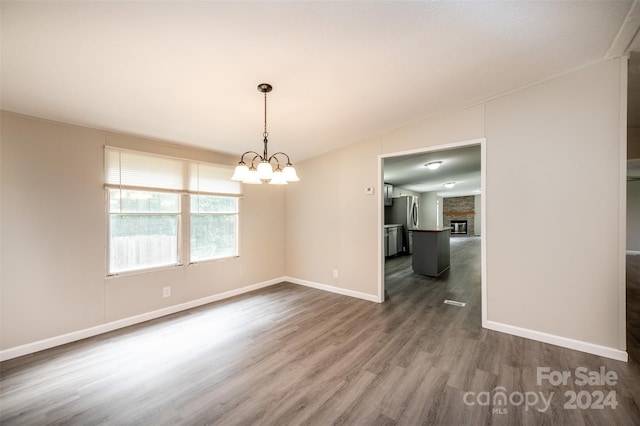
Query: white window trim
191,179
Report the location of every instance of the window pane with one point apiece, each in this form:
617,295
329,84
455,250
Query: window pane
212,204
142,241
128,201
213,236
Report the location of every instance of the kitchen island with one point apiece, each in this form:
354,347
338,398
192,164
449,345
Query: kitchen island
431,252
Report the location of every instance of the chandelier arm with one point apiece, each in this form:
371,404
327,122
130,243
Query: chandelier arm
273,157
281,153
253,159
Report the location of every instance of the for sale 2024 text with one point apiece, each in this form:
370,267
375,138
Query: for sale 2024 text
582,376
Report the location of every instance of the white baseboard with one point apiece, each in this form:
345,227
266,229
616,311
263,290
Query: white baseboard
332,289
40,345
564,342
125,322
633,252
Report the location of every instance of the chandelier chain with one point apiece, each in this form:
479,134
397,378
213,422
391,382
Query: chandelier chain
265,134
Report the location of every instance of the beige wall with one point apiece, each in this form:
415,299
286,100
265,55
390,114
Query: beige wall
331,223
560,143
553,150
53,262
53,235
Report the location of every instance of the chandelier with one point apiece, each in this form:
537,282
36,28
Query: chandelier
264,172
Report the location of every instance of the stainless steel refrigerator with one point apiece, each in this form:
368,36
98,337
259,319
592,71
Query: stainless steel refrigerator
404,211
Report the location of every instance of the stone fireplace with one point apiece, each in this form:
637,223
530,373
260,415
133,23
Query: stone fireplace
458,213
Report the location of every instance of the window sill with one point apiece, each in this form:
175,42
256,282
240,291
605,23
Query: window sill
216,260
144,270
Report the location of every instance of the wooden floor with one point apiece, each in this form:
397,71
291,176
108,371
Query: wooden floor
291,355
633,307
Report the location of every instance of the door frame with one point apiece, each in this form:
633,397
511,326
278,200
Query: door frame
483,211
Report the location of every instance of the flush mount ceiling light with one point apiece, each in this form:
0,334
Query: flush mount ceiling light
449,184
265,172
433,165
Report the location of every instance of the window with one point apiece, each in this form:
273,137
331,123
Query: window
148,197
214,227
143,229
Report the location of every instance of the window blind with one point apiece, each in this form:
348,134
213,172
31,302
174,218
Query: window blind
214,179
141,170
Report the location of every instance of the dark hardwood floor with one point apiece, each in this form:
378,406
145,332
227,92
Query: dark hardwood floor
633,306
291,355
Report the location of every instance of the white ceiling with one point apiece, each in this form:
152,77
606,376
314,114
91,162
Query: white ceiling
460,165
342,71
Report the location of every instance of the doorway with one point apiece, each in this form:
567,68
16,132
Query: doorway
633,208
462,167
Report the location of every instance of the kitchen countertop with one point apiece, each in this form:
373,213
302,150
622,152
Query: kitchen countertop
430,229
393,225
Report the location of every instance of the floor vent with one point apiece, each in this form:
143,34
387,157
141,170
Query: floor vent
454,303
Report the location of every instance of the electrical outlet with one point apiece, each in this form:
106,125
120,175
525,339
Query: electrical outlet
166,292
335,273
